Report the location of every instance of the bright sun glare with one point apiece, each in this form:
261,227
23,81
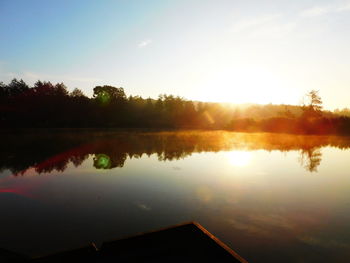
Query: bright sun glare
239,158
248,85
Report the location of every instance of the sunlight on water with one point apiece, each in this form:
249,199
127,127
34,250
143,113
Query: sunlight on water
239,158
262,194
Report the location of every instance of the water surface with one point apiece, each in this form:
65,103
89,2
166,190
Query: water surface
270,197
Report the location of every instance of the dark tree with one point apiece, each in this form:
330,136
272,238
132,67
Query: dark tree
48,105
313,106
77,93
106,94
16,87
3,90
60,90
44,88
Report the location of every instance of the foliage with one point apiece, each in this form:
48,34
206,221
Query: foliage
107,94
313,108
47,105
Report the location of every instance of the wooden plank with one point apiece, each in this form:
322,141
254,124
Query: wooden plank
188,242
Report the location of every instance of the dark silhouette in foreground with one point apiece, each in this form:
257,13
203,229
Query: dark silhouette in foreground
189,242
46,105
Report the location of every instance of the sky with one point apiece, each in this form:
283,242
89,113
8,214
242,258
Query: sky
251,51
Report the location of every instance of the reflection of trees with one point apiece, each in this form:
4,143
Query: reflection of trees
310,159
104,161
55,151
77,160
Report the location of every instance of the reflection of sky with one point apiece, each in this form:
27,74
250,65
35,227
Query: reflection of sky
264,203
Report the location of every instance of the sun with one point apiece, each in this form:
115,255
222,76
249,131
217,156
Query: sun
248,85
239,158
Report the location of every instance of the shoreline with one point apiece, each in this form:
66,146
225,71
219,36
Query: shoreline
150,130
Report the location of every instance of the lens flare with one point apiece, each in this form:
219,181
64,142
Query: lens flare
102,161
103,97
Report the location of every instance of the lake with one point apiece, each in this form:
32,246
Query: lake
270,197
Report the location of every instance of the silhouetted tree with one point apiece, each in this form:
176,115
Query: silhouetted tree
60,90
51,105
3,90
77,93
313,106
15,87
106,94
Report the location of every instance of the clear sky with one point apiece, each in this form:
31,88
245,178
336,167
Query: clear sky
213,50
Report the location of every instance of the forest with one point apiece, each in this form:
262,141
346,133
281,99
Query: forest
47,105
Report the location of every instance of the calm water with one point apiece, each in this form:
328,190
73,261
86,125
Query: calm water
272,198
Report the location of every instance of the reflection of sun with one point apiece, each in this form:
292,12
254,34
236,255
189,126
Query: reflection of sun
239,158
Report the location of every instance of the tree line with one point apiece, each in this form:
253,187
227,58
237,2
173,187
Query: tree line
47,105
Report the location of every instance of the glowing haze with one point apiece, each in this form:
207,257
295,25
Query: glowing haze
225,50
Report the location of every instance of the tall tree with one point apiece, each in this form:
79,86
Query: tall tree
3,90
16,87
313,105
